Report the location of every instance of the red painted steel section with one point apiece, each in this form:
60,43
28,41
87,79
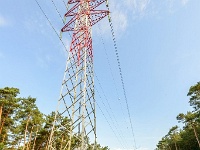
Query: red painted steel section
95,15
83,31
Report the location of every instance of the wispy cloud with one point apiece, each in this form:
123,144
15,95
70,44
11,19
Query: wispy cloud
121,13
143,8
118,17
174,5
127,11
138,7
119,20
38,24
3,21
184,2
44,61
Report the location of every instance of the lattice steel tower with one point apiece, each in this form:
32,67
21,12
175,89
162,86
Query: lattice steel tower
77,100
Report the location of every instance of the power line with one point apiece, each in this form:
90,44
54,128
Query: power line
120,70
61,38
108,61
51,25
65,4
58,11
109,117
119,131
63,20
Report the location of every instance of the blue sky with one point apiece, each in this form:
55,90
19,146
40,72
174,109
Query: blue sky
159,48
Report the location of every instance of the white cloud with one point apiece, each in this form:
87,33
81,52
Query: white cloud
170,5
174,5
143,8
38,24
44,61
184,2
119,20
3,21
138,7
128,10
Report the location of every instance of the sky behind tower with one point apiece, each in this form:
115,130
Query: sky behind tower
159,49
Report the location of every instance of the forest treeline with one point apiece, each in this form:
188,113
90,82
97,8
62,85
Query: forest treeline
24,127
187,137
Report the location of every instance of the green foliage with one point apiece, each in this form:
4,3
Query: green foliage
8,107
1,146
194,93
188,137
97,147
23,126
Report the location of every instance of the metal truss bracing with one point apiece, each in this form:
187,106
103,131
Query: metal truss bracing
77,101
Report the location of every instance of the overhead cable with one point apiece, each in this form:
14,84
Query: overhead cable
120,71
119,131
51,25
107,119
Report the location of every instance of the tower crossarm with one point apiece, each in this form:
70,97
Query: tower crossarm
94,15
76,14
93,4
76,1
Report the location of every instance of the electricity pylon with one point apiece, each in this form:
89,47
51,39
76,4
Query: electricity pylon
77,100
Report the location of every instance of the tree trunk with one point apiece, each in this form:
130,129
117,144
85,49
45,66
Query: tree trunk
61,143
30,139
1,127
170,148
2,124
47,144
25,132
196,135
176,146
3,138
1,109
35,139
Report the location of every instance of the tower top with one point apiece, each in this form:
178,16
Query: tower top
80,10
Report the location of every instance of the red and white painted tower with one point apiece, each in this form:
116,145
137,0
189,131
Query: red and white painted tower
77,98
